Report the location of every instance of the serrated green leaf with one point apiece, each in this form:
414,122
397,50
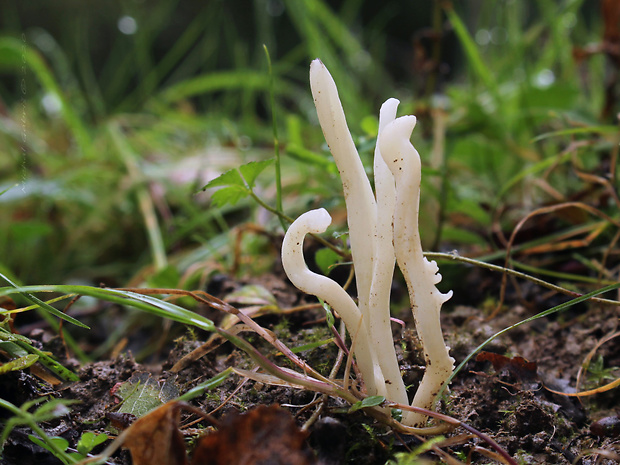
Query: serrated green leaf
229,178
250,171
141,394
230,194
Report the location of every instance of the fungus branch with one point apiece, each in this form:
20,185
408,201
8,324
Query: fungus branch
317,221
382,230
421,275
383,267
359,199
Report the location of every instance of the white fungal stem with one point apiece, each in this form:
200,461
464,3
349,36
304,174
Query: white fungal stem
379,229
359,199
383,268
317,221
420,274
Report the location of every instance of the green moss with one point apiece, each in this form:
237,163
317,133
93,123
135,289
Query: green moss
283,329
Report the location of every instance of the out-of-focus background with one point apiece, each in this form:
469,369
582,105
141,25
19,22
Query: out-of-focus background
114,115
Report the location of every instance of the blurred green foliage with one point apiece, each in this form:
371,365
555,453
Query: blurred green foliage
115,115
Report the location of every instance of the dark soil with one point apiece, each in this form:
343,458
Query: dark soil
512,405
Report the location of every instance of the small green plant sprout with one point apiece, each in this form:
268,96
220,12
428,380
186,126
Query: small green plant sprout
46,410
85,445
237,184
414,457
383,228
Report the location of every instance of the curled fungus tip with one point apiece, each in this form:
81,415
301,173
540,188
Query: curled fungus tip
316,221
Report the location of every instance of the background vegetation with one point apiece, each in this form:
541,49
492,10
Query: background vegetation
113,116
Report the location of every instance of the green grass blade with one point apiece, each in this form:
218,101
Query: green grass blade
338,31
216,81
145,202
530,170
573,131
24,343
142,302
42,304
276,142
172,59
12,53
206,386
471,51
312,345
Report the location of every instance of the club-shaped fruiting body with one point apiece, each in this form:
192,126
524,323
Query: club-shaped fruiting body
421,275
383,227
317,221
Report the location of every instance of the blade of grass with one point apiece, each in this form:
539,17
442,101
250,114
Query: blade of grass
171,60
12,53
276,143
53,322
530,170
471,51
25,344
21,416
42,304
548,239
156,242
559,275
92,89
216,81
338,31
304,16
573,131
206,386
142,302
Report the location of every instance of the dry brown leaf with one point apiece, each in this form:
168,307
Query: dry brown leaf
45,375
260,436
518,366
155,438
